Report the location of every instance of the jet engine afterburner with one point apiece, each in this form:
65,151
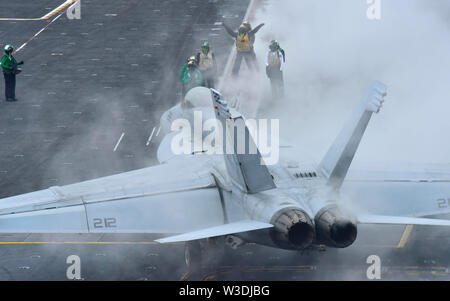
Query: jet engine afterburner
334,228
293,229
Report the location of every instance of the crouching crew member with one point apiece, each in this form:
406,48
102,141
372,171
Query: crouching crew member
190,76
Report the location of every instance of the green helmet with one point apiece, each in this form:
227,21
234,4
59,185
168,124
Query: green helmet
205,47
9,48
274,45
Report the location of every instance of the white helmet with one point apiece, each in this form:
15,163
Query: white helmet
9,48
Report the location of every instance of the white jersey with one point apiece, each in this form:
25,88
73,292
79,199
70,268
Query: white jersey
275,59
206,61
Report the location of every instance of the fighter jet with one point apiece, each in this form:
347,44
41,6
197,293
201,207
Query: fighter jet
202,199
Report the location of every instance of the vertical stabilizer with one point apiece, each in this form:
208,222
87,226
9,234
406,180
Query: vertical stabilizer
242,157
337,161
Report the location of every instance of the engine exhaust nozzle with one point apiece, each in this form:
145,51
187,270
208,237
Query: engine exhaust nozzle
334,228
293,229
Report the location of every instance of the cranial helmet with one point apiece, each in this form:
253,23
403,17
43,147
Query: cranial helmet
205,47
192,62
243,29
274,45
9,48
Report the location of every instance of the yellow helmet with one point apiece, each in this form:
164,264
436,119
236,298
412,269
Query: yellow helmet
247,24
243,29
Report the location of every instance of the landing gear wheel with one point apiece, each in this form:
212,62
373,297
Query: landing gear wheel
213,251
193,255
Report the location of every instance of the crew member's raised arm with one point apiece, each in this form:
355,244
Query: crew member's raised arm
255,30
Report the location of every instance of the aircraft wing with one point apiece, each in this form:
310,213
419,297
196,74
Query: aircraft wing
232,228
169,198
421,190
401,220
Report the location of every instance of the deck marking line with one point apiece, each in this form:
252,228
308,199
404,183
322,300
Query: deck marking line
151,136
405,236
118,142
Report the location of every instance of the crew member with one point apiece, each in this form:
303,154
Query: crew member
245,39
190,76
274,68
206,62
9,66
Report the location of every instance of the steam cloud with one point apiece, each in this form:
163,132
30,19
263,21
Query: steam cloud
333,52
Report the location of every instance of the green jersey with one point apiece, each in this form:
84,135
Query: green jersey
190,77
8,64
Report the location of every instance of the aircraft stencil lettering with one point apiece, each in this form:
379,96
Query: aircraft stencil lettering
107,222
443,203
